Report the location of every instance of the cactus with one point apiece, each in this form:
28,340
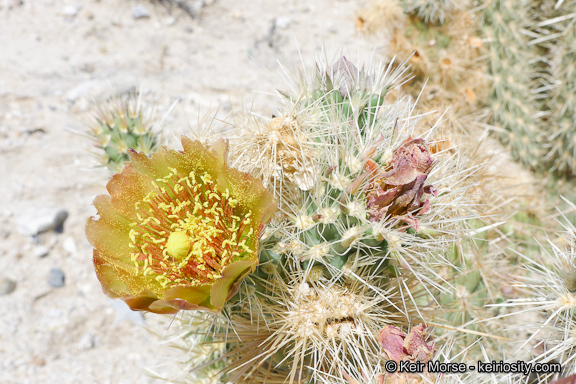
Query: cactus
435,12
446,60
448,56
121,124
555,35
511,67
366,216
445,57
548,306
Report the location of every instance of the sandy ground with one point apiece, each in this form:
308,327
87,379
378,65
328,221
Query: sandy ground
54,56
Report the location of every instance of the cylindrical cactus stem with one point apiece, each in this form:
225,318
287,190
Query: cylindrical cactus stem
557,39
511,67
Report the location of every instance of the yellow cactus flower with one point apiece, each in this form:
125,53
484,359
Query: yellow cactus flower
179,230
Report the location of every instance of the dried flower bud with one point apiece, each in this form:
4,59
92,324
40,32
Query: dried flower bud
398,190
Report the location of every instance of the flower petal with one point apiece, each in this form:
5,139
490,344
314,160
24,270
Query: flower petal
108,274
127,188
198,296
194,157
109,233
226,287
391,339
250,193
119,278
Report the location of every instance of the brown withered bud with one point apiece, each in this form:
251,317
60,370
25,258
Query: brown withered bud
398,191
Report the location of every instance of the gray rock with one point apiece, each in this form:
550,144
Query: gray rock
6,286
41,251
56,278
139,12
37,220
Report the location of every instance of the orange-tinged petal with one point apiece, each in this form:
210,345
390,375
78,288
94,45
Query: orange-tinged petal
108,276
110,232
147,302
120,279
127,188
220,152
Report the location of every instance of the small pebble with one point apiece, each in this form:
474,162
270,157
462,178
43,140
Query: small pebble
282,22
6,286
139,12
171,20
39,361
56,278
41,251
88,341
71,10
69,246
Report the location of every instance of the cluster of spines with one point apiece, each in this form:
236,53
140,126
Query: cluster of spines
323,248
554,34
547,307
434,11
